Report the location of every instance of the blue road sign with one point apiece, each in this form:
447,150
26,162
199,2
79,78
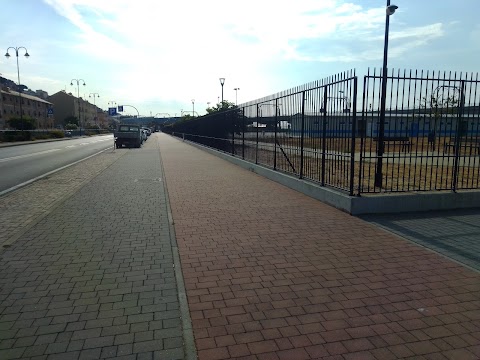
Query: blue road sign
112,111
120,108
50,111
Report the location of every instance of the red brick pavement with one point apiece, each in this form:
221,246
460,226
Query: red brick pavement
273,274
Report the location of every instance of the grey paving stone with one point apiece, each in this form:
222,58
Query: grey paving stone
125,349
90,354
75,345
14,353
50,329
171,354
109,352
55,348
124,339
115,330
71,355
145,346
86,334
25,341
45,339
98,342
7,343
90,288
35,350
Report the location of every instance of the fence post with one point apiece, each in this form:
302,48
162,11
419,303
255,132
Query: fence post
302,138
234,115
324,133
275,148
458,137
354,130
256,143
243,133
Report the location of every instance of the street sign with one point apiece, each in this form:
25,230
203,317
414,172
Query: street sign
50,112
120,108
112,111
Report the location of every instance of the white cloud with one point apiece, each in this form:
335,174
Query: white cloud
169,51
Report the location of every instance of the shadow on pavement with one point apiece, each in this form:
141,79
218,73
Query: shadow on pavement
453,233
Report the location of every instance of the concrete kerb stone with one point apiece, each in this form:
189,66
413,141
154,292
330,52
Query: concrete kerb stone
189,345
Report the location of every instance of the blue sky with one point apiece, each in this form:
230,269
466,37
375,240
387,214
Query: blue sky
159,55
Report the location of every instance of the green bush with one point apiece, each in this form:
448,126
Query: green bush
41,136
57,134
18,136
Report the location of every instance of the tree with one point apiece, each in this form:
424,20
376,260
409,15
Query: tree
70,120
71,126
438,107
27,123
221,106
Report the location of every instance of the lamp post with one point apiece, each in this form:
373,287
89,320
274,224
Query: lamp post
193,104
7,55
236,95
95,106
222,81
78,98
390,10
94,95
345,99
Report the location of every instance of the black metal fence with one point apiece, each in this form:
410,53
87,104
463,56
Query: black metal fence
429,139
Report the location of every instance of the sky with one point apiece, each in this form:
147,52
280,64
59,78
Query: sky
158,55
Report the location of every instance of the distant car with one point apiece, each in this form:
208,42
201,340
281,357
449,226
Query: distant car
68,133
144,135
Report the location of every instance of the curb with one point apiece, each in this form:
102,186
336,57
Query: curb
189,339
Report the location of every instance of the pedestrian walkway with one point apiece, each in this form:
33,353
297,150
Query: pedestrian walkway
269,273
95,277
273,274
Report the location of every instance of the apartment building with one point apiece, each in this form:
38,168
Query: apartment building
66,105
13,103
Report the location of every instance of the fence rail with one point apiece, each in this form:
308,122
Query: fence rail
428,141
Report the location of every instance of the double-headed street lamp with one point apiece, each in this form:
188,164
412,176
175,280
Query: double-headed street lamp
7,55
94,95
78,81
222,81
390,10
95,106
236,95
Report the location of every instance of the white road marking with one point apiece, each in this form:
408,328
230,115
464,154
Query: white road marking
28,155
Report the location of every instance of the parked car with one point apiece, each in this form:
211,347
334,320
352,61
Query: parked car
131,135
68,133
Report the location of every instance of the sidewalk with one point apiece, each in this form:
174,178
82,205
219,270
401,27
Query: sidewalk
94,278
273,274
268,272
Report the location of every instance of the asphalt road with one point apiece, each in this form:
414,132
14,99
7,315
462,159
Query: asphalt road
19,164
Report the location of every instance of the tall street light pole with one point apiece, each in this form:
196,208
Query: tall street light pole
78,81
390,10
236,95
222,81
193,104
7,55
95,106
